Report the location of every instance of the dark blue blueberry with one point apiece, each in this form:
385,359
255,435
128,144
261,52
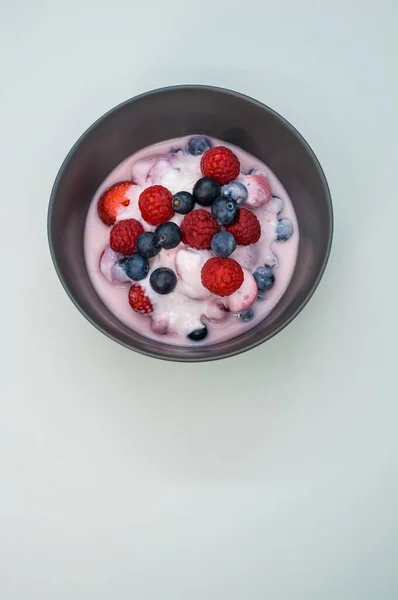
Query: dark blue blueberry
224,210
236,191
146,245
167,235
284,230
198,145
183,203
197,335
223,244
264,278
246,315
206,190
136,267
163,280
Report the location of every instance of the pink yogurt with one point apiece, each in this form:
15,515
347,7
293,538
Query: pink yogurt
189,305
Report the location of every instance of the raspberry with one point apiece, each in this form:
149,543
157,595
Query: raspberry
198,228
222,276
139,301
124,234
111,200
221,164
155,204
246,228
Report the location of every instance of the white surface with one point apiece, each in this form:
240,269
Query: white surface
272,475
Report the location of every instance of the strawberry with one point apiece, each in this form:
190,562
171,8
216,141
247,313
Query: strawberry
139,301
111,200
198,228
155,204
221,164
124,234
259,190
246,228
222,276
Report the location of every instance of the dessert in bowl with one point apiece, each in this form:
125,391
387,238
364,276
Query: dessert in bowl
190,223
191,240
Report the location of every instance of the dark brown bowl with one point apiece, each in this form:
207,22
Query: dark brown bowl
170,113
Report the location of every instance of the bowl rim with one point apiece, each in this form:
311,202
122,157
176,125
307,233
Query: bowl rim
177,88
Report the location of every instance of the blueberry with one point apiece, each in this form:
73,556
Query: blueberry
246,315
183,202
264,278
224,210
167,235
206,190
223,244
146,245
236,191
119,272
197,335
163,280
198,145
284,230
136,267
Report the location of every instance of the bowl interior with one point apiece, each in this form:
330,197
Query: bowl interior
171,113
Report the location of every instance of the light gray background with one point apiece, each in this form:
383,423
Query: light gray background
272,475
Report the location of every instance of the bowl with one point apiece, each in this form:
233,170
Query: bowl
170,113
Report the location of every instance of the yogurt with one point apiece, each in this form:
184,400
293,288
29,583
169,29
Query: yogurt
177,314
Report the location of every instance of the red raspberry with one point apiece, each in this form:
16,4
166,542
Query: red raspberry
124,234
139,301
111,200
246,228
222,276
221,164
155,204
198,228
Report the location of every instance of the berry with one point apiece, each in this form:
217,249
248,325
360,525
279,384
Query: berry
246,315
198,145
222,276
118,272
167,235
155,204
124,234
265,278
246,228
163,280
224,210
236,191
258,189
198,228
223,244
136,267
221,164
183,202
197,335
111,200
284,230
146,245
245,295
139,301
206,190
